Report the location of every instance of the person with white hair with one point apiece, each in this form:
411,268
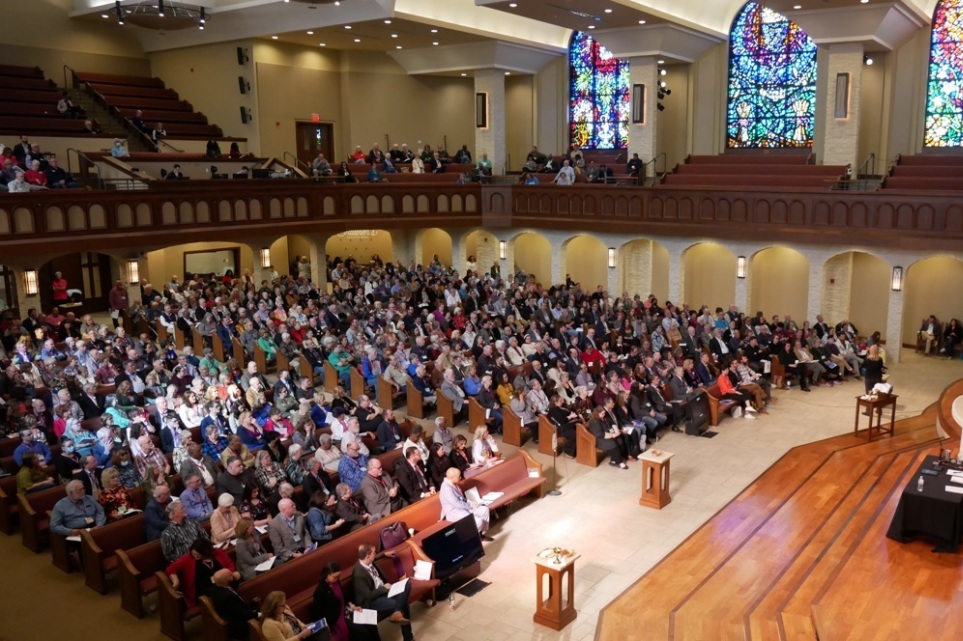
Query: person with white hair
288,531
76,511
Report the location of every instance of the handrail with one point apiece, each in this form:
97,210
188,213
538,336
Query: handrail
83,167
161,141
297,161
73,76
655,169
871,158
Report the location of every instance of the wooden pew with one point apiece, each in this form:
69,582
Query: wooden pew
261,358
546,429
282,363
586,453
179,338
135,574
512,428
162,334
358,386
197,342
415,401
778,373
445,408
718,406
386,393
100,547
172,608
34,520
217,347
331,379
306,370
240,356
476,414
128,323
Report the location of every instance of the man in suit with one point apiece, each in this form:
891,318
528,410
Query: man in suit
288,531
453,393
379,493
230,606
371,591
91,403
389,432
411,478
198,464
315,479
90,477
681,394
455,506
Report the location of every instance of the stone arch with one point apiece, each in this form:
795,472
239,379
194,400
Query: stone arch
643,269
585,259
530,252
360,244
432,241
779,282
927,287
709,271
855,286
483,246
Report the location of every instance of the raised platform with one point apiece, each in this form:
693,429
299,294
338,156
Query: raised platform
801,554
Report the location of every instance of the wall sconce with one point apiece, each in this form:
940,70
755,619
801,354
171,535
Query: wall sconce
30,286
741,267
501,249
897,283
265,255
611,257
133,271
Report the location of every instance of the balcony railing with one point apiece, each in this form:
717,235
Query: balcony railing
189,211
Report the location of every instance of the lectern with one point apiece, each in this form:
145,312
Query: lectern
655,479
555,574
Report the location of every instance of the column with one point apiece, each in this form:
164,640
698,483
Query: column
676,275
815,298
490,139
459,250
319,259
742,291
840,143
643,137
558,261
402,246
894,325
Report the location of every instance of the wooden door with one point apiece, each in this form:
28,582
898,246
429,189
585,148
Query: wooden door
87,271
314,138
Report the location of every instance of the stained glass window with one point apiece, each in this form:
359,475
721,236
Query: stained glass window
599,106
944,96
772,81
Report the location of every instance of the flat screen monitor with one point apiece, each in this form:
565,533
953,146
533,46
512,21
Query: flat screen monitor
455,547
261,173
697,414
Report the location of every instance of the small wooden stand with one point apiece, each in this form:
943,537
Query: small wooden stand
655,479
553,609
875,405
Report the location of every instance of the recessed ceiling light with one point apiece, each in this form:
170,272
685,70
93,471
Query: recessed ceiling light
863,1
508,73
394,35
387,21
608,11
797,7
347,26
434,44
463,75
434,31
321,44
641,21
591,26
512,5
310,33
274,37
357,39
104,15
661,62
397,46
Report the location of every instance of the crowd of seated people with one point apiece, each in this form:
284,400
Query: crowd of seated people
401,159
114,411
25,168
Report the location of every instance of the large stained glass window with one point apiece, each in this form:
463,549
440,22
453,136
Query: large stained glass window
944,96
599,108
772,81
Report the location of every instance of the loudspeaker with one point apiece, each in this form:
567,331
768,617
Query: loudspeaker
245,115
242,57
243,85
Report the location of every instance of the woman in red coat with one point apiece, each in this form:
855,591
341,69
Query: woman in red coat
192,573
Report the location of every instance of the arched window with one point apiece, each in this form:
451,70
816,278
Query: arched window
599,104
944,95
772,81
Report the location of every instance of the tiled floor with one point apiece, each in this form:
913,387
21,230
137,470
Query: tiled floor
597,515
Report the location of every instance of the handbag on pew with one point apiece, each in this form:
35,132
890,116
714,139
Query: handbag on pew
393,535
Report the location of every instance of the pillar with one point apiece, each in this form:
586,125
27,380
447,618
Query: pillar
402,247
643,138
635,265
558,261
742,292
840,144
318,256
490,139
459,250
676,275
894,326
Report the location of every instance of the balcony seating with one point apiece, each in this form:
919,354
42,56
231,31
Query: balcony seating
757,171
926,172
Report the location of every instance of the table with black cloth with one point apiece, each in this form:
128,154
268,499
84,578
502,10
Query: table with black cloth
933,513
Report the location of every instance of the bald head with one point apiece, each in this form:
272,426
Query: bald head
453,474
222,578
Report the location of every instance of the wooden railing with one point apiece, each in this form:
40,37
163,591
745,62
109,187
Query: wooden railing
945,420
178,212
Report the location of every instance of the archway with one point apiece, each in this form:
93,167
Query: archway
710,276
483,246
856,286
929,288
435,242
586,262
779,283
643,269
212,257
359,244
532,254
88,276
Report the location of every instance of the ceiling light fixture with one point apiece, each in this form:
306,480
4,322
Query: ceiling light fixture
394,35
322,44
661,62
347,26
868,61
357,39
797,7
387,21
463,75
274,37
512,5
591,26
105,15
641,21
434,44
434,31
508,73
310,33
608,11
397,46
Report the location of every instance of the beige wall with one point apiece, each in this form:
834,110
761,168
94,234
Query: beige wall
206,77
533,255
163,263
710,276
873,106
483,246
869,298
435,241
361,248
660,272
780,283
586,259
519,117
931,286
907,91
707,105
673,123
551,110
41,33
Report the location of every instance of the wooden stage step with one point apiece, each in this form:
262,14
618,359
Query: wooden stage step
756,568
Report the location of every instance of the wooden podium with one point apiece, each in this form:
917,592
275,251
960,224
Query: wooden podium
874,405
555,605
655,479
